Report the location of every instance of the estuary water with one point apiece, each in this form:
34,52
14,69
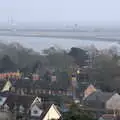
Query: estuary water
39,43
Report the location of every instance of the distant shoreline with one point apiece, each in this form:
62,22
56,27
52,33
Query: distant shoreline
93,36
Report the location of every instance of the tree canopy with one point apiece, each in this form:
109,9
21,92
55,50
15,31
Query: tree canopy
75,113
104,71
79,55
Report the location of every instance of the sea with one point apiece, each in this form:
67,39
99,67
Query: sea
40,43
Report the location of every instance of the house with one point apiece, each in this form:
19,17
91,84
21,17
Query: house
2,83
7,86
4,109
113,103
31,106
51,113
20,104
97,99
37,100
2,100
36,111
42,112
14,100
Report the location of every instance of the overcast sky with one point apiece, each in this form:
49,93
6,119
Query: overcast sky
100,12
81,11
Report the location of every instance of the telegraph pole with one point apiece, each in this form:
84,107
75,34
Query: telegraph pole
73,82
75,76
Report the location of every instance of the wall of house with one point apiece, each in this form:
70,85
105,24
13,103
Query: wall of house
113,102
6,116
52,114
38,113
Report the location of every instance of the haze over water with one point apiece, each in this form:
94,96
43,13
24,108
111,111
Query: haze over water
82,12
39,43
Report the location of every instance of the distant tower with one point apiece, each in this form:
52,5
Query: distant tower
8,22
75,26
11,24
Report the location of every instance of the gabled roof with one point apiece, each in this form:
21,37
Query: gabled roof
2,100
36,100
90,89
2,83
93,95
7,86
43,115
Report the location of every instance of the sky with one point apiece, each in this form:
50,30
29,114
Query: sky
61,11
67,12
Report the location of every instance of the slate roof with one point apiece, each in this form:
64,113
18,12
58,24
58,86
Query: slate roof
107,95
98,99
24,100
99,95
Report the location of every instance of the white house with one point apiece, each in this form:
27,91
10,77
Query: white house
37,100
7,86
52,113
41,113
2,100
35,111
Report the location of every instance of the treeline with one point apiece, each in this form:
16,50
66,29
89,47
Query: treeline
102,66
14,56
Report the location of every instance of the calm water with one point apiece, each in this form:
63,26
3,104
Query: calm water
38,43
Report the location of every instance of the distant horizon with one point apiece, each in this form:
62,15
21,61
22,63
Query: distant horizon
39,44
82,12
61,24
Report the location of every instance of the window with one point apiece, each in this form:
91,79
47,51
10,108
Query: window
35,112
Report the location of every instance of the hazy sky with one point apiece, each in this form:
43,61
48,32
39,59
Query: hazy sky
81,11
